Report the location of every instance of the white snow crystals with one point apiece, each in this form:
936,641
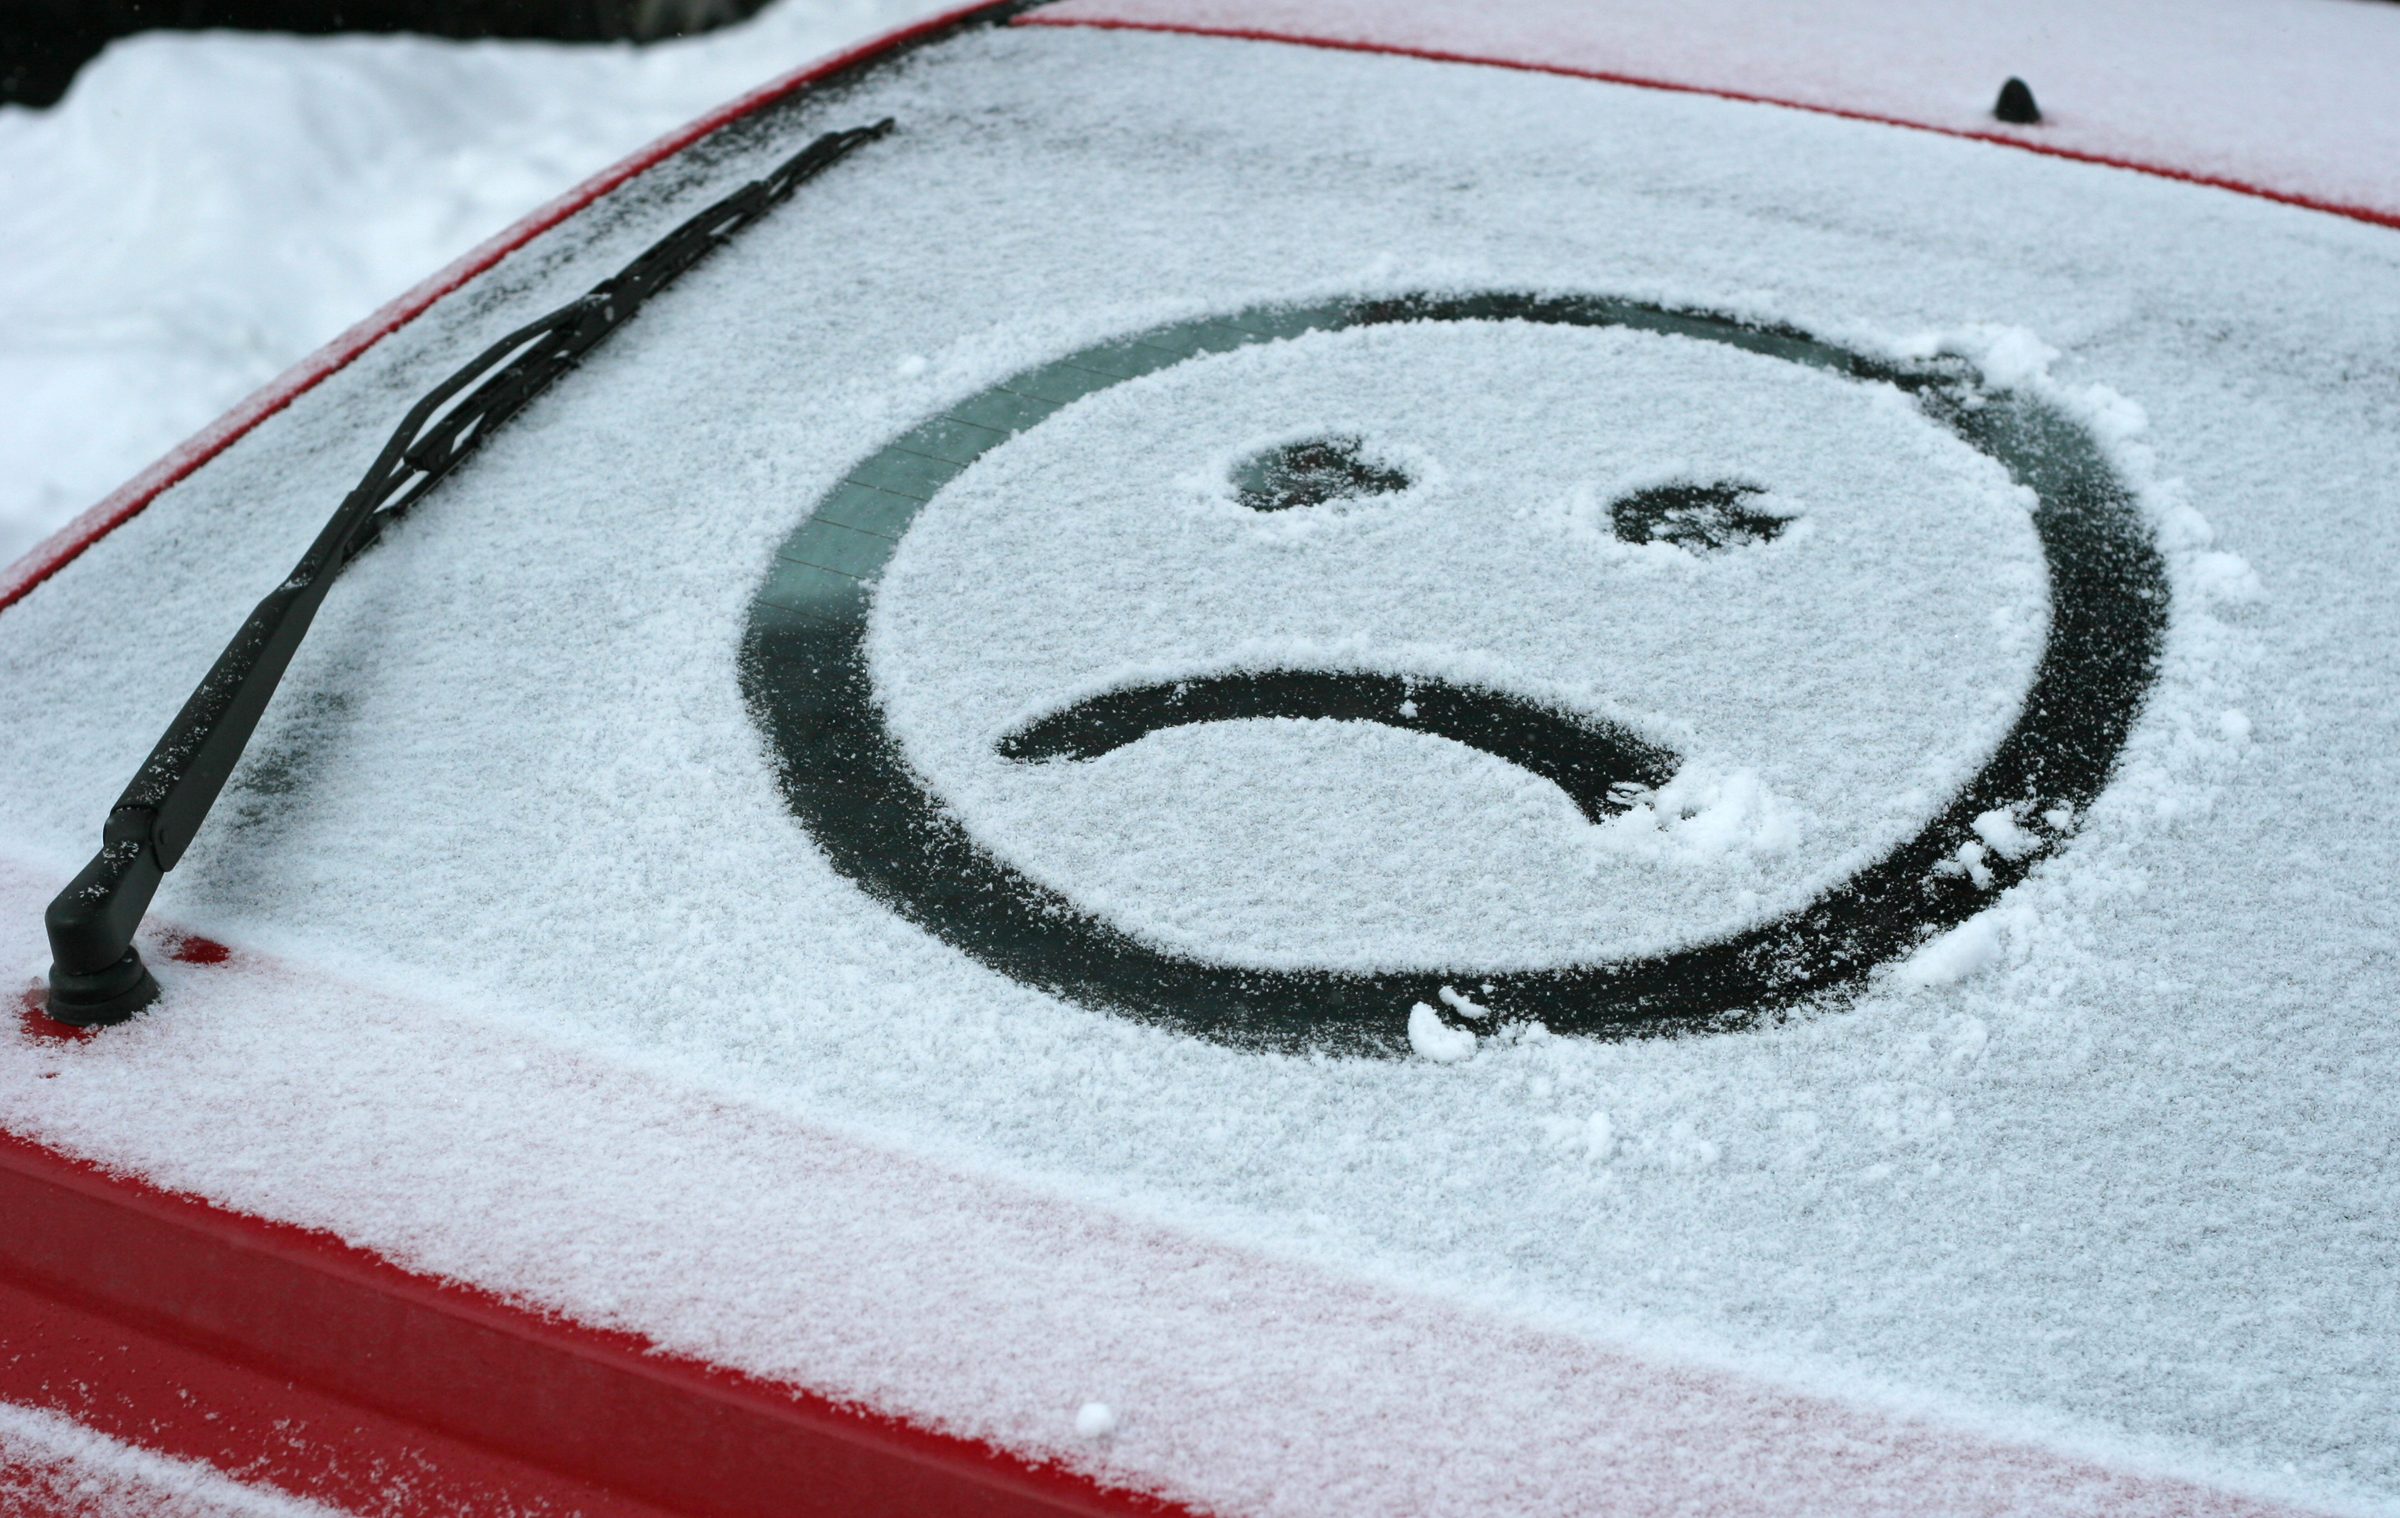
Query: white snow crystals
2008,838
1458,1002
1436,1040
1981,942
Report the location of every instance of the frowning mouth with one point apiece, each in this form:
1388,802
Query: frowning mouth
1603,768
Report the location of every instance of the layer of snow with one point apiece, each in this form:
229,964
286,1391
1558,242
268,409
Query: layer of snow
57,1468
2112,1176
1257,1381
205,208
1437,1040
2295,95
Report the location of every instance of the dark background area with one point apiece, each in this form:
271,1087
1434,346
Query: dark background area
43,42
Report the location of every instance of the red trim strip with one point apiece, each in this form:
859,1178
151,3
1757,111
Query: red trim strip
1436,55
182,1403
212,1335
62,547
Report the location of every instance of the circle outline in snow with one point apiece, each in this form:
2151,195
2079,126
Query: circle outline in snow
806,681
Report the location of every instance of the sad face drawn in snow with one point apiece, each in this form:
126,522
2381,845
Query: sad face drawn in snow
1568,659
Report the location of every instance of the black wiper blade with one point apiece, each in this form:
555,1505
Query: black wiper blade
96,974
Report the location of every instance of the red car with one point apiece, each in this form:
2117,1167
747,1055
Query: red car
1265,757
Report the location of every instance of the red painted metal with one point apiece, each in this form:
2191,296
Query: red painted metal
192,949
292,1358
35,1021
161,1393
1636,81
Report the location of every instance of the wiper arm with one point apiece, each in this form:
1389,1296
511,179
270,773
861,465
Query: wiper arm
96,974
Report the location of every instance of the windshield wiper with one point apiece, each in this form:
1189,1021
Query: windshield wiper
96,974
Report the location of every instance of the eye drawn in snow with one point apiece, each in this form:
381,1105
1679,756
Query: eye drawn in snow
1266,675
1313,471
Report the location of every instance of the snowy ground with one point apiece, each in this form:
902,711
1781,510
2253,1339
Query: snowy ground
205,208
